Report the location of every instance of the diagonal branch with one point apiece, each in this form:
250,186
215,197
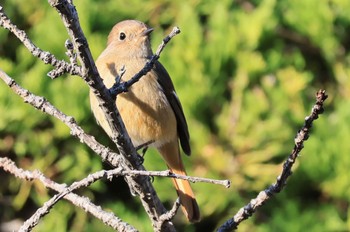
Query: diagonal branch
264,196
45,56
91,76
45,106
169,215
107,218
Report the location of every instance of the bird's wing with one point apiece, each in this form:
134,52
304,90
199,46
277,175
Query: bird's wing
168,88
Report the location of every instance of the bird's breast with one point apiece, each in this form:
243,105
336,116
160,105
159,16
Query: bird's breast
146,111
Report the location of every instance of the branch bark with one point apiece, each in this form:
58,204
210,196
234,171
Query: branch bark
128,161
141,184
45,56
45,106
107,218
302,135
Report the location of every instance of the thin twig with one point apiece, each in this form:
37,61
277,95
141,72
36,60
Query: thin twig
264,196
45,209
167,217
120,171
45,56
107,218
118,88
167,173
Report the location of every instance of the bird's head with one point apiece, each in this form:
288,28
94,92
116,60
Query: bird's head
131,38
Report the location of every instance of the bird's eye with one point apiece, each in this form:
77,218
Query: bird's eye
122,36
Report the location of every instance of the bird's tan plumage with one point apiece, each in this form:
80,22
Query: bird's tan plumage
150,109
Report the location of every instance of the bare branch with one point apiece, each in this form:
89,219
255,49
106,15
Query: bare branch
9,166
141,185
45,56
42,104
90,74
91,178
171,213
70,52
264,196
59,71
168,173
45,106
107,218
168,216
174,32
45,209
120,171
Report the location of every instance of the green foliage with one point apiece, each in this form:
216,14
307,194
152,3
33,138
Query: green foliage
246,73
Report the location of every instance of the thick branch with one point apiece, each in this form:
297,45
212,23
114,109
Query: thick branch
91,76
142,185
263,196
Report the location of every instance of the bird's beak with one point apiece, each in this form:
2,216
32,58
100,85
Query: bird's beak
147,32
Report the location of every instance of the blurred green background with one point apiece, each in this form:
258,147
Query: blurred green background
246,73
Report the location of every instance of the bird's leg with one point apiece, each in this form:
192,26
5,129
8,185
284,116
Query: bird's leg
118,77
118,86
144,148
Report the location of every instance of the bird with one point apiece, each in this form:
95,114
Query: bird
150,109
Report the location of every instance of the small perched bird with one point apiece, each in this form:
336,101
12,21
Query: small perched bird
151,110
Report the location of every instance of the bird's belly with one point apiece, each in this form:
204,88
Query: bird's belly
147,115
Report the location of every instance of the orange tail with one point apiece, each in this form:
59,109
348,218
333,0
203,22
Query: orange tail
187,199
171,155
